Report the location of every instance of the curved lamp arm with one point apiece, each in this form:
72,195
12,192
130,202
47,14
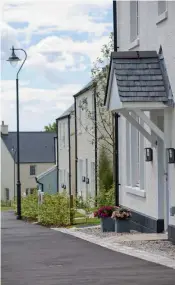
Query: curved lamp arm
22,62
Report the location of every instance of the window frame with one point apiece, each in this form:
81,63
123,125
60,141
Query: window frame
134,41
164,15
32,167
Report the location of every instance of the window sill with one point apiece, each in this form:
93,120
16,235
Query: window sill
134,44
136,191
162,17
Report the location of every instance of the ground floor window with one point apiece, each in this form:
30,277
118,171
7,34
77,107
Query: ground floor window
7,194
29,191
134,154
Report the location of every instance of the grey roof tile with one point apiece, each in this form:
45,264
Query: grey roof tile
35,147
139,78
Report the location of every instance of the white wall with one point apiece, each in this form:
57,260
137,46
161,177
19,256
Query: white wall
27,180
7,172
151,36
85,148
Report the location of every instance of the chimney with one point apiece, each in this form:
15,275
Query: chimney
4,129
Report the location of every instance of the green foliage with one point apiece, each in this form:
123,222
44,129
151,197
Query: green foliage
106,197
29,206
54,211
50,127
105,173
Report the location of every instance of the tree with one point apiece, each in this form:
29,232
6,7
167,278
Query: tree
50,128
99,73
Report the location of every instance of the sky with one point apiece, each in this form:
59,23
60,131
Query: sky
62,39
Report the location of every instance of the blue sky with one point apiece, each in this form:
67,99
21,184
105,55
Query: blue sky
62,39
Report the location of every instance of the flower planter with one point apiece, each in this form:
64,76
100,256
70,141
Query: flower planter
107,224
122,226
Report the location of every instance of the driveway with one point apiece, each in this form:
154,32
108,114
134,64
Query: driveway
34,255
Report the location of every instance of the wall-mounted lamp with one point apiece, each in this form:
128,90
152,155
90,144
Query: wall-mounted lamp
62,185
148,154
83,178
171,155
87,180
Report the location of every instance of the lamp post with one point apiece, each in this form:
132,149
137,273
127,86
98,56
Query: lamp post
13,59
14,154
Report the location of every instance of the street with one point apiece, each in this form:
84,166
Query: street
34,255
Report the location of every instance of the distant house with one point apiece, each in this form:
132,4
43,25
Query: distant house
66,151
37,154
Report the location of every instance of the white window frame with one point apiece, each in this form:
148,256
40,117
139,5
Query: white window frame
134,157
164,14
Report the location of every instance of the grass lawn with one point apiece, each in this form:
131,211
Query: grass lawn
5,208
86,222
79,215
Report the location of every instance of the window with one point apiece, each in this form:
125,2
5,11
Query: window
29,191
135,155
32,169
162,7
134,20
80,175
7,194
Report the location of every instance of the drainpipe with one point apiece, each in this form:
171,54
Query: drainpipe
76,158
115,118
69,155
95,130
42,185
57,156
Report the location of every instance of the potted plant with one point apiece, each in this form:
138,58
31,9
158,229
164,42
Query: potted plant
121,216
105,213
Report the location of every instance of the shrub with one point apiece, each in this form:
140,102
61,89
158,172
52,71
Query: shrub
29,206
106,197
55,210
105,173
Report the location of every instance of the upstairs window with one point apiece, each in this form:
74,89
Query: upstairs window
32,169
134,20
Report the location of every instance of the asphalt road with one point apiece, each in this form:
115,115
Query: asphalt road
34,255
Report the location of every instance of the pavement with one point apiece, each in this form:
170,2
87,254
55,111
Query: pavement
34,255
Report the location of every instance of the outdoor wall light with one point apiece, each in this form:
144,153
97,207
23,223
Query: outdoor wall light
148,154
83,178
171,155
62,185
87,180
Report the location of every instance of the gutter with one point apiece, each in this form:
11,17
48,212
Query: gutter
42,185
76,158
57,156
116,116
95,127
70,174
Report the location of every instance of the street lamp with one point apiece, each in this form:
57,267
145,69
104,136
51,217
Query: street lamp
14,155
13,59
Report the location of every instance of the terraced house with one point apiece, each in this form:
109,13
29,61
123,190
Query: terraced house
141,88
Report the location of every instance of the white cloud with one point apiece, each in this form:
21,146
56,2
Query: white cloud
38,107
8,38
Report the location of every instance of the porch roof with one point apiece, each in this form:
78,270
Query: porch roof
138,76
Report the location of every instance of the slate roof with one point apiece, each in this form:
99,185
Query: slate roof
85,88
139,75
35,147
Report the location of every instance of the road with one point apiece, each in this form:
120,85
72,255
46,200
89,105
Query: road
34,255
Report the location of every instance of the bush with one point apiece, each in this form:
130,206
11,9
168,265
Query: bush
106,197
29,206
54,211
105,173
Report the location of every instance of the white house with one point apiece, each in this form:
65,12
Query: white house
37,154
141,88
85,148
66,151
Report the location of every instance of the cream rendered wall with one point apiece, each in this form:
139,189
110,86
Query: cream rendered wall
85,149
63,153
7,172
151,36
27,180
